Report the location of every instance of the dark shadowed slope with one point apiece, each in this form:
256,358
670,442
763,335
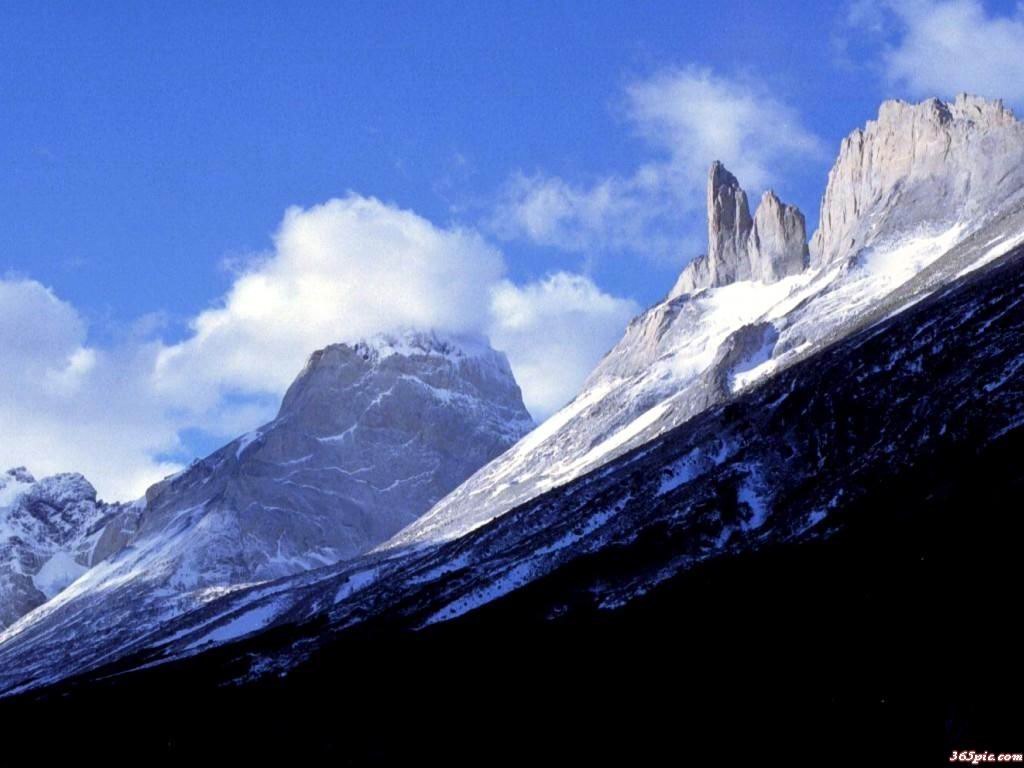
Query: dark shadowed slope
829,559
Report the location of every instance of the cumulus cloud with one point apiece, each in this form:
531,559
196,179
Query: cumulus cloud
689,117
355,266
66,406
554,331
337,272
940,48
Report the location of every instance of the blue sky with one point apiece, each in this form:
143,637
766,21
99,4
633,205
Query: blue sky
150,152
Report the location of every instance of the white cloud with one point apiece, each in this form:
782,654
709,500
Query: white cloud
554,331
338,271
934,48
65,406
689,117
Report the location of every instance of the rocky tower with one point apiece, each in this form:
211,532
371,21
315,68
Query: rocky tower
778,242
920,166
767,247
729,227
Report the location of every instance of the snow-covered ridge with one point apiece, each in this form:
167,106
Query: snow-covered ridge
677,359
906,203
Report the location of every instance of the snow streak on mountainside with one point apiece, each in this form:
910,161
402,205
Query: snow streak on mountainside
49,531
784,461
905,203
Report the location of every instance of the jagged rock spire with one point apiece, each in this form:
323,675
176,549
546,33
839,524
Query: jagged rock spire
729,226
778,242
767,247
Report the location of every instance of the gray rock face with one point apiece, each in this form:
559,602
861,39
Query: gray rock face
778,242
729,226
920,165
768,247
48,535
368,437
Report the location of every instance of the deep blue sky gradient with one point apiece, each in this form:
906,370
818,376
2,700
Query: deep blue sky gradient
142,144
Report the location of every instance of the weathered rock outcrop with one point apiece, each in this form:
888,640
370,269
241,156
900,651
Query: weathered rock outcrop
920,166
767,247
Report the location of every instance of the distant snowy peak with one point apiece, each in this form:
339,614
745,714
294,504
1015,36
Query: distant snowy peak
368,437
49,531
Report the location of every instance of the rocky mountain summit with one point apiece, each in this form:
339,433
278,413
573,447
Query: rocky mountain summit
49,531
368,437
931,164
768,247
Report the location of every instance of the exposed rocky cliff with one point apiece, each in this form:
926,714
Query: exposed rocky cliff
768,247
927,165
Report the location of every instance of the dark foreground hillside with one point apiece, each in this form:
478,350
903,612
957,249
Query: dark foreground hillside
888,637
897,633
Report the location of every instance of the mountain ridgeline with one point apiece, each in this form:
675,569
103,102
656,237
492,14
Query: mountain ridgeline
770,471
894,229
